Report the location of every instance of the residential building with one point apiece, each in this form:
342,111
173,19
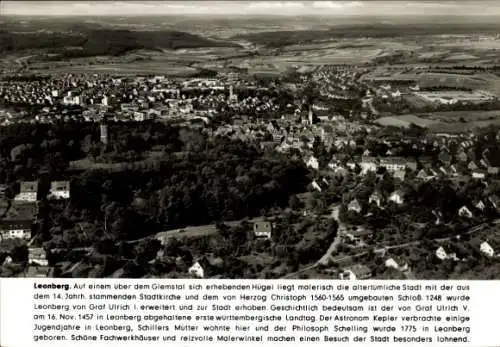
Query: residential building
354,205
486,249
495,202
462,156
445,157
393,264
465,212
201,268
312,162
376,198
18,221
441,253
16,230
263,229
356,272
478,175
37,271
316,186
28,192
59,190
480,205
37,256
368,164
397,197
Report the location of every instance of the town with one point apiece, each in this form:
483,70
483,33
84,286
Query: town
234,176
196,148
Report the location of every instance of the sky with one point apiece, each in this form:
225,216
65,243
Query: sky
255,8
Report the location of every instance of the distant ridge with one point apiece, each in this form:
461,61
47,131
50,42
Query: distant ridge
82,41
293,37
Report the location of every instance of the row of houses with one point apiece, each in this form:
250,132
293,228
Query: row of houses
20,216
28,191
485,248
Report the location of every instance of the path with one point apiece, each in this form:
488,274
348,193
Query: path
385,248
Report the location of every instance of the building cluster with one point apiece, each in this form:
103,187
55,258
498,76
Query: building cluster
20,214
90,97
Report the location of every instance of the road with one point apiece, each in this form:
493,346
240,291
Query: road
333,247
372,108
327,255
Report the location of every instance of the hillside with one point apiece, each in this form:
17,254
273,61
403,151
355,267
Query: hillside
87,42
293,37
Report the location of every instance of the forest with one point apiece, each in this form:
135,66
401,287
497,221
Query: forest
189,179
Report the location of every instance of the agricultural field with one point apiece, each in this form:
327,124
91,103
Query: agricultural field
448,122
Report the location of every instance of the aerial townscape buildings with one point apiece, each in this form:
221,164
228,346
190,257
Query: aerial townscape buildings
371,168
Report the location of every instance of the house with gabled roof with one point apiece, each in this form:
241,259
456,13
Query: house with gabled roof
462,156
376,197
441,253
59,190
480,205
445,157
354,205
472,166
486,249
495,201
464,211
312,162
356,272
28,191
202,268
263,229
397,197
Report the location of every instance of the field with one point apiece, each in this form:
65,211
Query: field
197,231
448,122
168,69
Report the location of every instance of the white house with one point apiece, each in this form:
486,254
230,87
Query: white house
441,253
313,162
480,205
486,249
316,186
356,271
28,191
376,197
465,212
263,229
478,175
201,268
17,233
393,264
7,260
397,197
347,275
37,256
59,190
354,206
368,164
197,270
396,94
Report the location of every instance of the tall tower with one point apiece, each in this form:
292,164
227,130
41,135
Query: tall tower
104,133
231,95
310,115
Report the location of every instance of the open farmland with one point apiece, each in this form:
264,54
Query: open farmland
404,121
124,68
448,122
